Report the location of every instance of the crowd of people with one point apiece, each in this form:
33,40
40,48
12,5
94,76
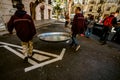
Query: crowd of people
25,28
108,23
82,25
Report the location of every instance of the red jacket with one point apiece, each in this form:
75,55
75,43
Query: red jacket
23,24
113,21
78,24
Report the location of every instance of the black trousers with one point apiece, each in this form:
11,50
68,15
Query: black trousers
116,34
105,34
66,23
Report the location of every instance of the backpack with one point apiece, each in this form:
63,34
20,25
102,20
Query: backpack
108,21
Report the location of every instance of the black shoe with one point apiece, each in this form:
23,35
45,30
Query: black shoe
26,59
103,43
100,41
30,55
87,37
71,45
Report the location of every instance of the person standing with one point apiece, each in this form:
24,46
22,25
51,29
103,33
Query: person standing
90,26
78,27
117,29
67,18
25,29
108,23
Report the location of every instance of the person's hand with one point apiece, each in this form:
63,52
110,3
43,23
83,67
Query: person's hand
10,32
82,35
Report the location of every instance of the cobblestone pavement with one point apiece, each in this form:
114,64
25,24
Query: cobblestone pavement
92,62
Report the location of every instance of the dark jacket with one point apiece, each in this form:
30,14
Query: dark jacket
23,24
78,24
114,22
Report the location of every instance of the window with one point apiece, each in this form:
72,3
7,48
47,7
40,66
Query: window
91,8
99,9
92,2
75,1
14,2
108,8
118,9
49,1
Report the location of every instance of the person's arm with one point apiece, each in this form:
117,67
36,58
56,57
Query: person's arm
74,23
10,25
33,27
114,22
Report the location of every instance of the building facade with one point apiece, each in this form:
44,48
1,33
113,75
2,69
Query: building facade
97,7
7,9
44,10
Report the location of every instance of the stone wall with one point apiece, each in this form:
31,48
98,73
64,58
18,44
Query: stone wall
6,9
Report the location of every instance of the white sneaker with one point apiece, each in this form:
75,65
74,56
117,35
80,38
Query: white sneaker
77,47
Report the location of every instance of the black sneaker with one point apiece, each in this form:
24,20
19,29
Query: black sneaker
26,59
103,43
71,45
30,55
87,37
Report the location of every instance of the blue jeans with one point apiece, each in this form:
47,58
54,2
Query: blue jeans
88,32
74,40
